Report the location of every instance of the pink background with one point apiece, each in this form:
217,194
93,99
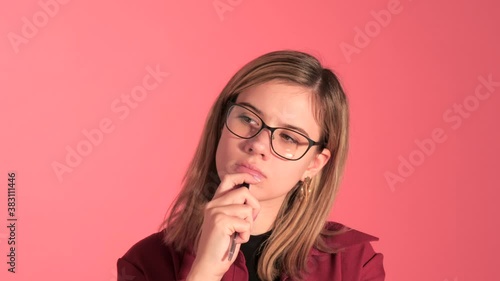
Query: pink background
404,81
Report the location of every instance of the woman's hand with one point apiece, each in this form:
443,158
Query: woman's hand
231,210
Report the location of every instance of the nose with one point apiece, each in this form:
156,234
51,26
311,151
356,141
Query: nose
259,144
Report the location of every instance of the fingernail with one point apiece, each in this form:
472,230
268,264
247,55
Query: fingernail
257,178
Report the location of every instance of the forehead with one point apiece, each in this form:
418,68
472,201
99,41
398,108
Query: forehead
283,103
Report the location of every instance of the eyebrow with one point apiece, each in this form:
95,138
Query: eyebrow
289,126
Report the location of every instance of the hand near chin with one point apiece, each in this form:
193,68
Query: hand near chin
231,210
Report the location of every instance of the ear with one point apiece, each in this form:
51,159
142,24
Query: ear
317,163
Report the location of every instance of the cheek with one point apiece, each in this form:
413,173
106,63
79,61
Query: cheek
224,147
223,152
286,177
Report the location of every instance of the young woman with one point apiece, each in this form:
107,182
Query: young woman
280,128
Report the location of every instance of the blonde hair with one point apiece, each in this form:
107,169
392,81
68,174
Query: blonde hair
300,224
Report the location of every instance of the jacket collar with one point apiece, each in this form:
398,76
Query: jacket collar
349,237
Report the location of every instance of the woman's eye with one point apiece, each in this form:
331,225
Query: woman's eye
247,119
288,138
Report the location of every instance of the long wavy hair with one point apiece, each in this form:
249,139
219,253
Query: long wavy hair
300,223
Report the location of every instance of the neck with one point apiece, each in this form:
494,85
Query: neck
268,212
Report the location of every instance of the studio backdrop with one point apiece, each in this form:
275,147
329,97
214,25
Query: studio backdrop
103,103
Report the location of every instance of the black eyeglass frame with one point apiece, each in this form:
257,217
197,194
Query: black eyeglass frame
311,143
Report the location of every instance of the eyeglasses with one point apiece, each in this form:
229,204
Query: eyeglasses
286,143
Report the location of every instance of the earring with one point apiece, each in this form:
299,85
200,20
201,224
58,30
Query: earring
306,187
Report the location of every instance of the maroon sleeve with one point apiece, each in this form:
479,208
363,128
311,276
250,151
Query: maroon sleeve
126,271
150,260
373,267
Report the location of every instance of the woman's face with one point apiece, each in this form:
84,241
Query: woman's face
279,104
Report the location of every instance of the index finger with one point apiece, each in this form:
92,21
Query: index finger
230,181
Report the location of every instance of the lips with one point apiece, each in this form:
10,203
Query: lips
250,169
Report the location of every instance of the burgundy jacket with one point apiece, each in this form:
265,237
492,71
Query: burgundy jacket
151,260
